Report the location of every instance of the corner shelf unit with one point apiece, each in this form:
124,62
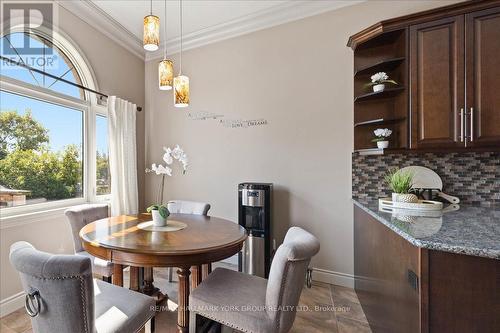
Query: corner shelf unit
384,52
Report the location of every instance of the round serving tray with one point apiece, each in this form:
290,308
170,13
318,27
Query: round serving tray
422,205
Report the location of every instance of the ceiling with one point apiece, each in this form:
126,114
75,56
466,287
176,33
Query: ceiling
204,21
197,15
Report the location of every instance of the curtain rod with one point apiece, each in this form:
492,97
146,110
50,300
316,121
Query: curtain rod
139,109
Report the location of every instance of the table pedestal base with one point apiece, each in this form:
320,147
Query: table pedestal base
147,287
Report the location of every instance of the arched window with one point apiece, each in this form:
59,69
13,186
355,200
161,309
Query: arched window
53,135
50,59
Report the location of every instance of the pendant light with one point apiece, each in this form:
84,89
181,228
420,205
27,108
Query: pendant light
151,36
166,66
181,82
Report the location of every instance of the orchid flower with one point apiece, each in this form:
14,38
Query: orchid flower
168,157
177,152
161,170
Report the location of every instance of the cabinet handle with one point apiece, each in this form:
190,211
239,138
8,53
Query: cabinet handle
471,124
461,124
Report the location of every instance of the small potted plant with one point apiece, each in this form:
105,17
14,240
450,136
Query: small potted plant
400,182
159,214
381,136
379,80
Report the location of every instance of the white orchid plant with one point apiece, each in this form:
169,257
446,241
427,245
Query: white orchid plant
381,134
169,156
380,78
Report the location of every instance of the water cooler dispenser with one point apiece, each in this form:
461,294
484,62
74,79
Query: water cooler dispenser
254,214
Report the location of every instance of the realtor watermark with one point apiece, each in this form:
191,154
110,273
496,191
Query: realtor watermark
260,308
27,30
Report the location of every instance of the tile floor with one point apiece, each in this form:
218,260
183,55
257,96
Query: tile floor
324,308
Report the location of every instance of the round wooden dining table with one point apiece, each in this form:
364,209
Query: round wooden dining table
204,239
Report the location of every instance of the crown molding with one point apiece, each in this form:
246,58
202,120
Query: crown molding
276,15
286,12
104,23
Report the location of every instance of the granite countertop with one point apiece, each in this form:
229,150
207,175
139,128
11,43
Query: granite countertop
471,230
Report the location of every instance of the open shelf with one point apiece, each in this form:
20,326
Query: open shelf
378,151
390,92
378,121
384,65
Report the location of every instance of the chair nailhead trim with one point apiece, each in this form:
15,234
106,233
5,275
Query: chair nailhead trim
82,291
82,294
225,323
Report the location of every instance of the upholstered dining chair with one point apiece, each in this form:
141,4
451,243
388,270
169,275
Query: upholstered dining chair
62,295
252,304
186,207
80,216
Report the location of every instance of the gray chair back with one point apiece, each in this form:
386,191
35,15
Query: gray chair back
65,286
80,216
188,207
287,275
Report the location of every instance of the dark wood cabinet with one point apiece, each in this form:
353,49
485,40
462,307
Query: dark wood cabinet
382,260
404,288
447,61
483,77
437,83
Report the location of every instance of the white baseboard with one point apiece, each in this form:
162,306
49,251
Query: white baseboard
331,277
11,304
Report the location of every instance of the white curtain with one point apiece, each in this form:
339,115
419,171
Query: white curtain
122,156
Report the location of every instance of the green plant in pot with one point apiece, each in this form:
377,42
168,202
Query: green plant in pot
159,213
400,182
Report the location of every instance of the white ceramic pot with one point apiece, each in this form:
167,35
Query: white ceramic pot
382,144
404,197
158,220
378,87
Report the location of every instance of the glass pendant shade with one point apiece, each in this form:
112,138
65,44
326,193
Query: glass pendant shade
165,74
151,37
181,91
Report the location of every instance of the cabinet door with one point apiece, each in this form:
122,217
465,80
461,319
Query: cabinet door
437,83
483,77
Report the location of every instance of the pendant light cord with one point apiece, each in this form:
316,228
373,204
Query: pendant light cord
151,7
165,24
180,64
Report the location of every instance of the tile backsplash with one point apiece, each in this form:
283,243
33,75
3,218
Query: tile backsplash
473,177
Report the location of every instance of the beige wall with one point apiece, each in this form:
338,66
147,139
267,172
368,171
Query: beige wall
118,72
298,76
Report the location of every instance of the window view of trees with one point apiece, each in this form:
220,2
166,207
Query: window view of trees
103,178
27,165
102,173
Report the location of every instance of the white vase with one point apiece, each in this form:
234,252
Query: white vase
404,197
382,144
158,220
378,87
